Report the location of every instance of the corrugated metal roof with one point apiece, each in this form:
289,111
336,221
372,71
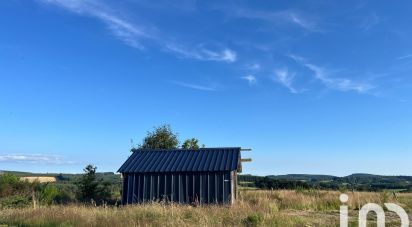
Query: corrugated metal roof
182,160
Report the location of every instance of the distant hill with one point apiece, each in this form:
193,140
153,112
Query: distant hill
357,181
303,177
68,177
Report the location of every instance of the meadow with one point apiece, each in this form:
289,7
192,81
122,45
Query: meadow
253,208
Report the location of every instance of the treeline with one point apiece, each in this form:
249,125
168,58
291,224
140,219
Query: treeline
355,182
269,183
87,188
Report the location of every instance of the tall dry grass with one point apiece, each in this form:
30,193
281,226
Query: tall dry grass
253,208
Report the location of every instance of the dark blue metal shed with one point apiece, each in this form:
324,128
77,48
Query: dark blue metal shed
205,175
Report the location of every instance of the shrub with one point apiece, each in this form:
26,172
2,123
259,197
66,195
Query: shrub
14,202
255,219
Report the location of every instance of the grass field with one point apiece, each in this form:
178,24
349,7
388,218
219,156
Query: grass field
253,208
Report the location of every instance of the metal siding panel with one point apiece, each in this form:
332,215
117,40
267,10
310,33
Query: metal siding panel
130,189
184,188
152,187
124,191
197,187
161,187
200,189
226,191
217,186
134,189
208,189
158,187
141,188
212,191
205,190
220,186
169,185
190,187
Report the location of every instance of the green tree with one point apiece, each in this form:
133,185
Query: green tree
90,188
161,137
191,144
87,185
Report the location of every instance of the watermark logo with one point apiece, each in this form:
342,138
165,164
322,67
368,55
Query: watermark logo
371,207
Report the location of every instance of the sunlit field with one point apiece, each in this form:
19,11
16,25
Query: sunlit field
253,208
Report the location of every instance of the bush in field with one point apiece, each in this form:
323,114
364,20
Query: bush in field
16,201
253,219
47,194
12,185
14,192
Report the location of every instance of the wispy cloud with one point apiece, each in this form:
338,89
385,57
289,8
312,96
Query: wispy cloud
370,21
126,31
201,53
250,79
285,78
136,35
33,159
277,18
194,86
301,22
404,57
323,75
254,66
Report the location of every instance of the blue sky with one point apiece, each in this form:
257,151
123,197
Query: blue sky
312,86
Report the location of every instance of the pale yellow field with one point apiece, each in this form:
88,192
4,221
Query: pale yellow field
39,179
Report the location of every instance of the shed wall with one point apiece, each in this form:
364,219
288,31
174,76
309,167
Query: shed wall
210,187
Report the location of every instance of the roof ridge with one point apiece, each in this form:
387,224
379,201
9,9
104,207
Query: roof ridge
184,149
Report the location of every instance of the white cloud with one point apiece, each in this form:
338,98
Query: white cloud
33,159
194,86
254,67
250,79
285,78
341,84
370,21
135,35
404,57
225,55
298,20
276,18
128,32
